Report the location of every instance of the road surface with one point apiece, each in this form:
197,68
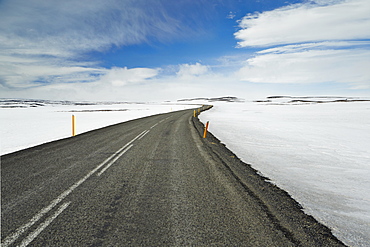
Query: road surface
148,182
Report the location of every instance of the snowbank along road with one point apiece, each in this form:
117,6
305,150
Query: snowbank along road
148,182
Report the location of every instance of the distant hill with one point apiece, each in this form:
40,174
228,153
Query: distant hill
225,99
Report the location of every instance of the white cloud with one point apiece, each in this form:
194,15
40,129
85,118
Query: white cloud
40,41
30,71
310,66
314,42
191,70
343,20
124,76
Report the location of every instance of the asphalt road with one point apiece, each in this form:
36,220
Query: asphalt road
147,182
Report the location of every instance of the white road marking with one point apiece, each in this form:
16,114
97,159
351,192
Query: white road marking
41,227
154,125
129,143
19,231
114,160
144,134
10,239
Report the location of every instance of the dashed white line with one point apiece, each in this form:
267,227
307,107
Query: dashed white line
41,227
154,125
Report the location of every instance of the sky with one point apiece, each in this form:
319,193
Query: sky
150,50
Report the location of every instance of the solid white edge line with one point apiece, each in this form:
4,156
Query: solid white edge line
114,160
42,226
20,230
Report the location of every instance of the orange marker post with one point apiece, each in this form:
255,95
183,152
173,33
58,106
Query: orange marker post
73,125
205,130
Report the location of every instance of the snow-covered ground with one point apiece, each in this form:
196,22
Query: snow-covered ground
27,123
318,152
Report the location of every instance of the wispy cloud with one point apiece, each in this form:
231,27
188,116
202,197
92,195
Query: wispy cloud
26,72
57,27
231,15
321,41
124,76
44,42
318,46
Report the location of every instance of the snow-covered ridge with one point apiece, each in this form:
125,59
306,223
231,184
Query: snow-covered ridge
299,100
218,99
25,103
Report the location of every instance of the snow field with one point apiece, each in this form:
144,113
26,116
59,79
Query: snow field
21,128
319,153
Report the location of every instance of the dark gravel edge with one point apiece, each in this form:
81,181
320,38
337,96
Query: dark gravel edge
285,213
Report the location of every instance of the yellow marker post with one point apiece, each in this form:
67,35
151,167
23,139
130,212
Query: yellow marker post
205,130
73,125
195,113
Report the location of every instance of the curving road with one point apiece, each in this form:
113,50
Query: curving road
148,182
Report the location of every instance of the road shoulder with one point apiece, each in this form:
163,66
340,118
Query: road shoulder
281,208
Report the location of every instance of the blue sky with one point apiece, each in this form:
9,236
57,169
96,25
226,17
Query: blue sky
167,50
